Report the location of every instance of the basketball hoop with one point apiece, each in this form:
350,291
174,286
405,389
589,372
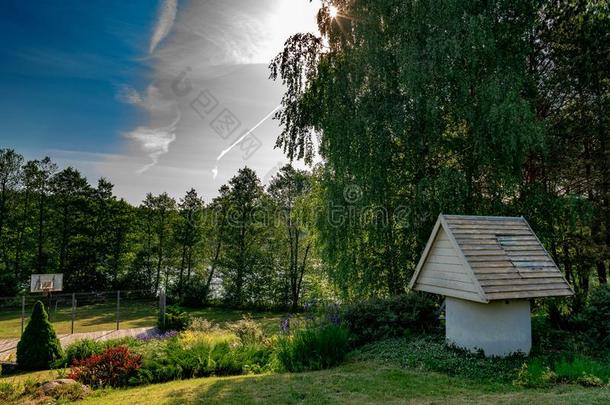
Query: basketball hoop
46,284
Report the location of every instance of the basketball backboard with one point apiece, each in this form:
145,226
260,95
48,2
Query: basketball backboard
46,282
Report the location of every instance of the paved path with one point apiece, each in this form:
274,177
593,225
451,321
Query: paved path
8,347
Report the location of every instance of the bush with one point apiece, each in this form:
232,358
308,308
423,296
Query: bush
199,324
175,319
80,350
112,368
579,370
597,315
534,375
9,392
313,348
247,330
201,357
582,370
391,317
39,346
194,292
85,348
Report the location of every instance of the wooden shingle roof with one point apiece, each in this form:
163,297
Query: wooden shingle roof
482,258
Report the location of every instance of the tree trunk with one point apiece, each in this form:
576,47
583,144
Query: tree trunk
21,232
189,264
40,230
297,291
64,240
160,252
2,207
601,272
239,282
180,277
208,284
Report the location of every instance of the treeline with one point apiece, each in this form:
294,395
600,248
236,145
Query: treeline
461,107
248,246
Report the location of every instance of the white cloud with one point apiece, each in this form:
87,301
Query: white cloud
221,47
167,16
129,95
154,141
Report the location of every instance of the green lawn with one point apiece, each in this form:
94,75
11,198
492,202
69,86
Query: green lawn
89,318
97,317
356,382
365,378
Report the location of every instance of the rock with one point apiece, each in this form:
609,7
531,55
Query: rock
48,387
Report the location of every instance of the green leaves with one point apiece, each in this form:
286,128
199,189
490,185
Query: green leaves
422,106
39,346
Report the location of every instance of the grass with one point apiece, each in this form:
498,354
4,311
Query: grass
386,372
98,317
43,375
89,318
357,381
361,382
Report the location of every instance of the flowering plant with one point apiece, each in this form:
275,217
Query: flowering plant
112,368
165,335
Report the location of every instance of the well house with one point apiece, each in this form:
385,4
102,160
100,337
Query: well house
488,268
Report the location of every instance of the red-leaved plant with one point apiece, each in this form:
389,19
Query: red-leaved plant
112,368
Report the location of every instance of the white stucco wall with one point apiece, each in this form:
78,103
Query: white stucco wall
499,327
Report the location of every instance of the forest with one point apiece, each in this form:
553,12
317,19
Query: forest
482,108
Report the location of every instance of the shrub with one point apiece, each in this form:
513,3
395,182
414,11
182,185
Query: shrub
9,392
248,331
582,370
39,346
313,348
85,348
201,357
391,317
175,319
597,315
80,350
199,324
546,338
588,380
112,368
534,374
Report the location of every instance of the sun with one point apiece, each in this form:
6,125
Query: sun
333,11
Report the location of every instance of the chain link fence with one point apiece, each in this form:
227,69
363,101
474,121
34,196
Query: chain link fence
82,312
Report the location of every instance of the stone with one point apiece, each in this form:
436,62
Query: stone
48,387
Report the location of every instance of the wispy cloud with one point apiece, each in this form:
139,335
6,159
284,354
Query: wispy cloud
129,95
154,141
222,48
165,21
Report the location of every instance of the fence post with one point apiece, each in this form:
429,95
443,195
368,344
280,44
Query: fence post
22,312
118,309
162,308
73,312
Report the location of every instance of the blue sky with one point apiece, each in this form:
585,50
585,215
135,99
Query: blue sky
89,83
61,65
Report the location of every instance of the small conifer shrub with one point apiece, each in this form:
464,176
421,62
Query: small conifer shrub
39,346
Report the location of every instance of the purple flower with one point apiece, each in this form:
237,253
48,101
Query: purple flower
332,314
152,336
285,324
